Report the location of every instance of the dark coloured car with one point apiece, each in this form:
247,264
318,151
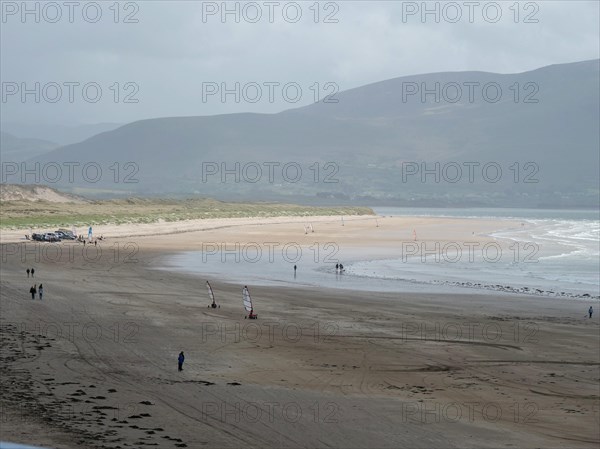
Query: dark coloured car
65,235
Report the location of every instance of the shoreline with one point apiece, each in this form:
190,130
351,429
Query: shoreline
362,247
400,286
225,261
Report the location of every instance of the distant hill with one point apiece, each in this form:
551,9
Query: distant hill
542,128
15,149
34,193
63,135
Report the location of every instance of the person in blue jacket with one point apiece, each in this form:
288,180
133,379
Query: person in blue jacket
180,360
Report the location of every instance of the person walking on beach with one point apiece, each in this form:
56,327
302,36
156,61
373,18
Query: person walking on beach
41,291
180,360
32,271
27,272
32,290
590,311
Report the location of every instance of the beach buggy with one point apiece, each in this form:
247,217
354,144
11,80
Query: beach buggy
211,295
248,304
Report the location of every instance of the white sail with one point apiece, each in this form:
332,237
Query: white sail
210,292
247,299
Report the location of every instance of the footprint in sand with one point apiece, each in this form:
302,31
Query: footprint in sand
105,407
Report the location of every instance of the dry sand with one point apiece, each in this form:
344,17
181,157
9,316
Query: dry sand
95,363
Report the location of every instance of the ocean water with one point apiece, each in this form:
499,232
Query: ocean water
553,253
516,214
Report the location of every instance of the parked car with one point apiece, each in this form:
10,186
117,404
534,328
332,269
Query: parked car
37,237
51,237
65,235
67,232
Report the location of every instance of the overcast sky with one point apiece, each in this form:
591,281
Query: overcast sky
166,54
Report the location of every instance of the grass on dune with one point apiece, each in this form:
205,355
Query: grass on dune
25,215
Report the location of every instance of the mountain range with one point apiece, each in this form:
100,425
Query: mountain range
484,139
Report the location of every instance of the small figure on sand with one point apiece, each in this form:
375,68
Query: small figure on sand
40,291
180,360
33,291
590,311
32,271
27,272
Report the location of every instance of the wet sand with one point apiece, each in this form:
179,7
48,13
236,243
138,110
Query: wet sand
95,363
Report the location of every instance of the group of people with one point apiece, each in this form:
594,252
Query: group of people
34,288
82,239
39,290
339,267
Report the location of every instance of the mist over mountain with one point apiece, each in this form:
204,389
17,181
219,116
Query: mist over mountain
16,149
464,138
61,134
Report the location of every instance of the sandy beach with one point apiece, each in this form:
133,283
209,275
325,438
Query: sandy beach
94,365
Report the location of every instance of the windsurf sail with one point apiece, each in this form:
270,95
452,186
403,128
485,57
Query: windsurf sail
211,295
247,299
